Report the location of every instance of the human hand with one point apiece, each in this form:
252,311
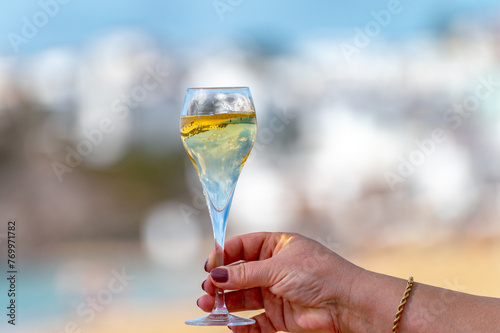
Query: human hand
301,285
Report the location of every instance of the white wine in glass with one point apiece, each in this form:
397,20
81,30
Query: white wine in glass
218,129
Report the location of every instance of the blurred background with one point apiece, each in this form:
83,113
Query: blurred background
378,136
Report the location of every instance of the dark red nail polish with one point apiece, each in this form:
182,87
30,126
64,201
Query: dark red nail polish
197,304
205,266
220,275
202,285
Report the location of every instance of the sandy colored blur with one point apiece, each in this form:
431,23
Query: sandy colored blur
466,265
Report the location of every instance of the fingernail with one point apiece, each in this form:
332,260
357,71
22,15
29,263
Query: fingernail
219,275
202,285
198,305
205,266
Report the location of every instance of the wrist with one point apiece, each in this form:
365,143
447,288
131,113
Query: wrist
373,301
347,300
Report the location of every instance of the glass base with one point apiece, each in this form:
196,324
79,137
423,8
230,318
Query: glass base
220,320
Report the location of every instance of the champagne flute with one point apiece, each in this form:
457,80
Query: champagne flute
218,128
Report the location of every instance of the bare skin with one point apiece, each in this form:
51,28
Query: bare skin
303,286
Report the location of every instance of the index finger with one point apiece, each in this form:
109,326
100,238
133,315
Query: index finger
248,247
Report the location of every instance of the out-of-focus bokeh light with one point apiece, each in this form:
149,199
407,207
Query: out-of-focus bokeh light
171,236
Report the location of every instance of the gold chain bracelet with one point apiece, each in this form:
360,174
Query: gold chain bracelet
406,295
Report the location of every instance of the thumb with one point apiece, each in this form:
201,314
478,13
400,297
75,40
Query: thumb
243,276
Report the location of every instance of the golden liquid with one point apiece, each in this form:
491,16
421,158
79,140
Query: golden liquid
218,146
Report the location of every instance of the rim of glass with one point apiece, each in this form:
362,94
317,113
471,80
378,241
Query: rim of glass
209,88
192,93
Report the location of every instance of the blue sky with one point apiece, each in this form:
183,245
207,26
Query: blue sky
188,22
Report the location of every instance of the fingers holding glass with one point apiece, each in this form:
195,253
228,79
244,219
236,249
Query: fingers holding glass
250,247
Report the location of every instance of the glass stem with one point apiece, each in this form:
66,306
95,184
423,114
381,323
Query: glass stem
219,222
220,302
